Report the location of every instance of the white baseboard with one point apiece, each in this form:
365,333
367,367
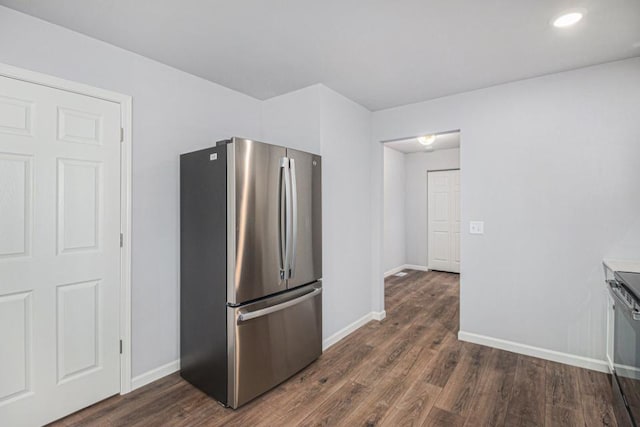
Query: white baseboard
405,267
155,374
416,267
344,332
378,315
394,271
542,353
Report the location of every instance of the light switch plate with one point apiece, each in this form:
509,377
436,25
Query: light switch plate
476,227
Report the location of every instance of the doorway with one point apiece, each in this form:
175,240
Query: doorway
413,167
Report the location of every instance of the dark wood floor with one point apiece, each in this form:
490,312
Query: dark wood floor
409,369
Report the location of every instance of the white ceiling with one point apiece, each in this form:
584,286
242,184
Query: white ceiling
380,53
411,145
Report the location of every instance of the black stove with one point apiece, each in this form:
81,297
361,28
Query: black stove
625,289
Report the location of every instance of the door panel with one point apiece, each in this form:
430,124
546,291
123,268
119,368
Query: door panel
59,252
79,189
306,170
257,178
16,354
284,336
16,115
443,189
440,247
78,318
16,193
441,210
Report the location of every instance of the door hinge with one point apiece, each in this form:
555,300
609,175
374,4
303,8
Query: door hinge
120,346
121,134
121,240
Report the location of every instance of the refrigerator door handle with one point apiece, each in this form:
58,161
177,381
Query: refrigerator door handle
242,317
294,217
282,226
284,164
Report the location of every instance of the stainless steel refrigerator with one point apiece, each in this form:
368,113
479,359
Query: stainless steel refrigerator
250,267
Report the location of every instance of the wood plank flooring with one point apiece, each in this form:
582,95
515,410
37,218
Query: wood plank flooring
408,370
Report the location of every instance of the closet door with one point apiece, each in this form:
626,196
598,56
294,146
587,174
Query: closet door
443,189
59,252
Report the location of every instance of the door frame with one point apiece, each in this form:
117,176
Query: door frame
427,197
125,102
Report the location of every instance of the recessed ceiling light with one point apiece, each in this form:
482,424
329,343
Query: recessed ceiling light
568,19
427,139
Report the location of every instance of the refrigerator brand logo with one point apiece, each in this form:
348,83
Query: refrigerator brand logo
213,156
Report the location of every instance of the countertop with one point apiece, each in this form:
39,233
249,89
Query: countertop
630,265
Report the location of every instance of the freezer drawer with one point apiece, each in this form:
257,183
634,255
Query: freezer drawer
272,339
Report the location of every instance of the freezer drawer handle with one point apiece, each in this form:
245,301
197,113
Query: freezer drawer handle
263,312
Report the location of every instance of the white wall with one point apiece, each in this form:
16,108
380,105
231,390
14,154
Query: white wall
346,196
394,209
322,121
551,165
416,167
293,119
173,112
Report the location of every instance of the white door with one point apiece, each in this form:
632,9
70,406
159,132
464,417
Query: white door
443,201
59,252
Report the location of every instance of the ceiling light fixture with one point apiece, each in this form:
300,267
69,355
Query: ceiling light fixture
427,139
568,19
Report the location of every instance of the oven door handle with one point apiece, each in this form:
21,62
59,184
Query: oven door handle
614,286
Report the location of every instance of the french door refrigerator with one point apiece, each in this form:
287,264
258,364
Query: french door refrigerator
250,267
